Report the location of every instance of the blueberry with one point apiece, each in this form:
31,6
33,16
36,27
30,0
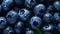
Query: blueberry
18,27
50,8
47,17
29,32
0,8
35,22
57,5
30,3
58,27
48,28
12,17
3,22
18,2
24,14
7,4
56,17
8,30
39,9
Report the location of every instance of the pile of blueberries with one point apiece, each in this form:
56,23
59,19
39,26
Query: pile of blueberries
25,16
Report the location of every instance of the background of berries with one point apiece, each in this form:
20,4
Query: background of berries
29,16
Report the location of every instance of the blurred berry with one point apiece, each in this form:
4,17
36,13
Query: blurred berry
3,22
7,4
18,27
12,17
30,3
8,30
47,17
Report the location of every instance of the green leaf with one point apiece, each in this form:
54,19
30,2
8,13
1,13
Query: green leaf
38,31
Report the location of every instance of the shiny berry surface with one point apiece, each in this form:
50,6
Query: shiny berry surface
29,16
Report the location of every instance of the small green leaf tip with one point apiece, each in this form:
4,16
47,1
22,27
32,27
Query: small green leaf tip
38,31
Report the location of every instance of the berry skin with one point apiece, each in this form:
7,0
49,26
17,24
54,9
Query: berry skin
30,3
58,27
8,30
56,17
18,27
18,2
47,17
35,22
48,28
0,8
12,17
39,9
3,22
7,4
50,8
24,14
29,32
57,5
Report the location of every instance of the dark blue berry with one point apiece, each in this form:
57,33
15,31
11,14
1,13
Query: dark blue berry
50,8
30,3
1,8
24,14
48,29
29,32
57,5
12,17
7,4
3,22
18,27
39,9
58,27
8,30
47,17
56,17
35,22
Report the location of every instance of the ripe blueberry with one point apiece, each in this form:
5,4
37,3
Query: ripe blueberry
24,14
18,27
30,3
29,32
50,8
47,17
58,27
7,4
8,30
57,5
35,22
3,22
39,9
56,17
48,29
12,17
